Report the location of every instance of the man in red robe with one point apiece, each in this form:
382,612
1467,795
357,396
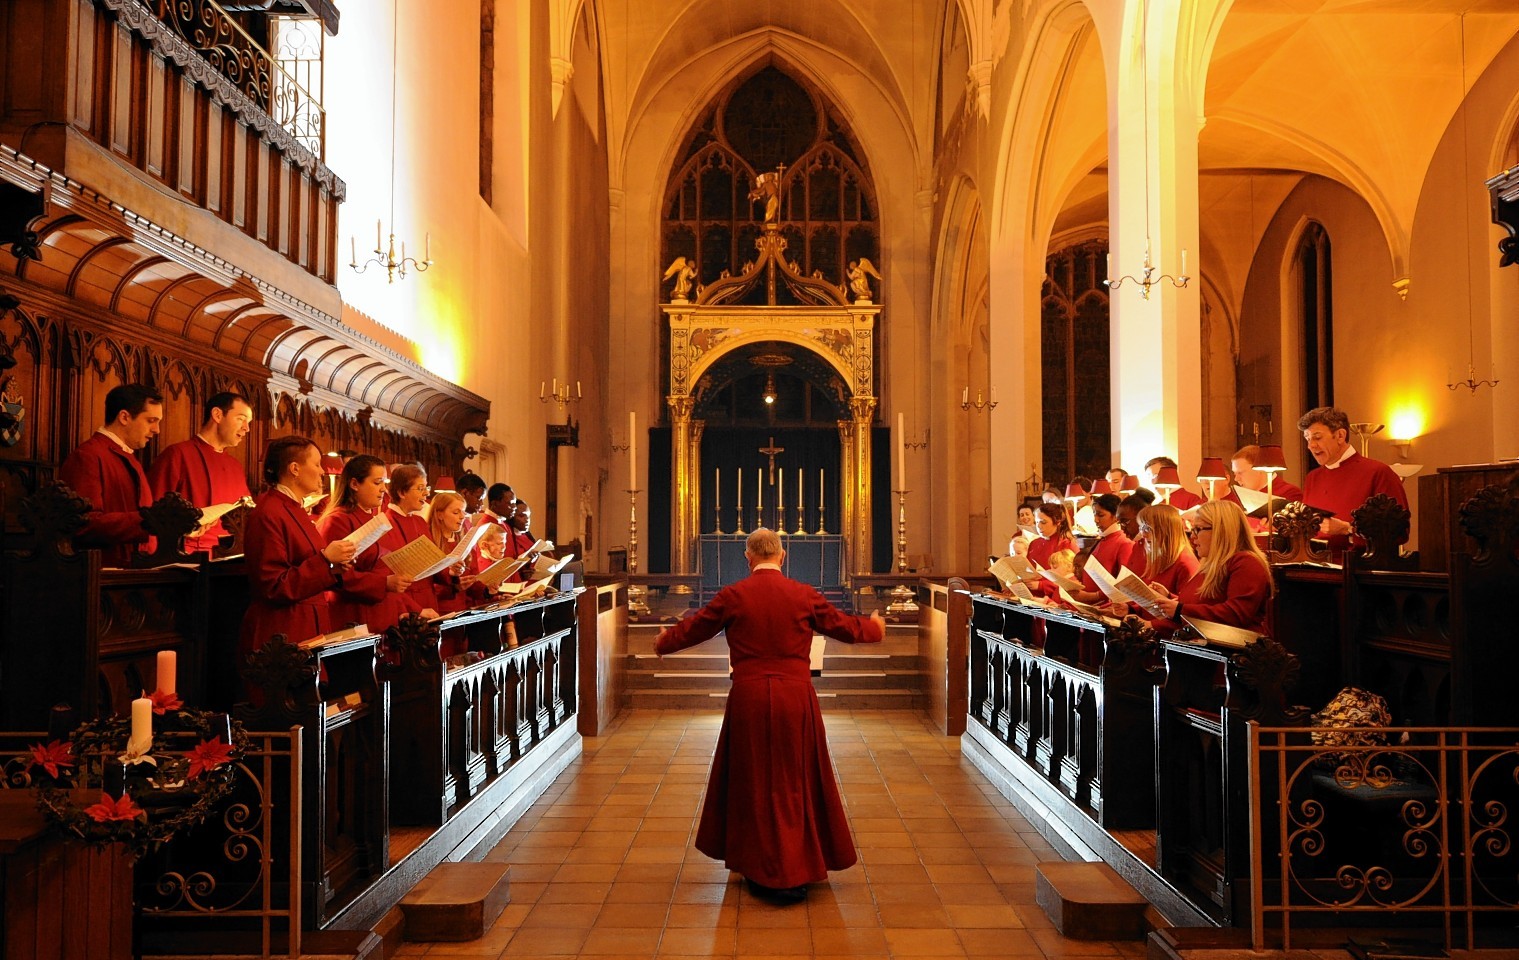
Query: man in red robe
1344,479
1242,465
104,470
200,469
1181,498
772,810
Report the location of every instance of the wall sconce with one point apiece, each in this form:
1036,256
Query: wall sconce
1401,446
559,392
980,403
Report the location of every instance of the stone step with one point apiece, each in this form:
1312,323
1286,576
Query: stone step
1090,901
457,901
827,680
851,699
718,663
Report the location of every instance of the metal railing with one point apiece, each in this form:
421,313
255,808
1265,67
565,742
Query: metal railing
1382,827
274,83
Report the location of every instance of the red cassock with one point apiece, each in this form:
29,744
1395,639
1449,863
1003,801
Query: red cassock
517,543
1183,499
1173,578
404,528
202,475
1242,602
1040,549
772,810
1356,480
116,486
361,595
1112,551
288,577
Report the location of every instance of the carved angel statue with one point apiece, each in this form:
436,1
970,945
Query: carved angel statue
767,187
859,285
684,272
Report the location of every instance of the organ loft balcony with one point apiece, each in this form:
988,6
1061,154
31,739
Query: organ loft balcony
186,128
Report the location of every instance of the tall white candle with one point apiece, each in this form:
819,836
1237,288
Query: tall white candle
759,496
142,726
741,496
168,662
717,490
799,497
780,497
901,452
632,450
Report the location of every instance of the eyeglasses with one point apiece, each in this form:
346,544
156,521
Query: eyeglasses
1196,530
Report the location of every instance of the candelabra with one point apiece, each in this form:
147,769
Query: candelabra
1149,276
387,258
902,598
980,403
1471,382
637,606
560,394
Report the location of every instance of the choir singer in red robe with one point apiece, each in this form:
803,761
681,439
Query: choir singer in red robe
104,470
202,471
772,811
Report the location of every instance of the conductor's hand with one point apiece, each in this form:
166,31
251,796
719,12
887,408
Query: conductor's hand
338,551
878,620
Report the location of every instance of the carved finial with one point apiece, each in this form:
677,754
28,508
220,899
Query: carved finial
284,677
1297,524
170,519
1128,647
1267,671
414,642
54,514
1383,523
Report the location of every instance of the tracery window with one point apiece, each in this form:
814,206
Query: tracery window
768,122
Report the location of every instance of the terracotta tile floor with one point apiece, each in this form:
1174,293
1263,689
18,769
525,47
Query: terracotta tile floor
603,866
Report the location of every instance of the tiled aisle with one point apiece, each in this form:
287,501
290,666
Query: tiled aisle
603,864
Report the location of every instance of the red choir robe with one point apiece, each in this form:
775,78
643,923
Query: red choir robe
451,597
1040,549
202,475
517,543
361,595
1181,498
288,577
1112,551
404,528
1173,577
772,810
1247,589
1345,488
116,486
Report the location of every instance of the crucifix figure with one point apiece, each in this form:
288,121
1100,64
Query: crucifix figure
770,452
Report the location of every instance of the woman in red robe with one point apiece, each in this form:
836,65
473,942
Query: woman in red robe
455,587
1054,526
1111,550
368,593
290,567
408,500
1233,581
1166,559
772,810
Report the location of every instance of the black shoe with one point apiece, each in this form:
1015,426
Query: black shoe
777,895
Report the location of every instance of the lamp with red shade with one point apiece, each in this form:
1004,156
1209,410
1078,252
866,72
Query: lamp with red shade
1211,472
1099,487
444,485
1167,482
1075,493
1130,484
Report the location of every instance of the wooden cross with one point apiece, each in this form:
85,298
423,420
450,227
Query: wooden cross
770,452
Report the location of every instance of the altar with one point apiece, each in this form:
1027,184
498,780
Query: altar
813,558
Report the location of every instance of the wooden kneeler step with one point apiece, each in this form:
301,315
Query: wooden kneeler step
1090,901
457,901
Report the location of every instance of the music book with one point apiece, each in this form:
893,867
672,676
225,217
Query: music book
492,575
1017,589
1125,587
1221,633
1061,580
312,499
422,558
518,592
548,566
1029,532
337,636
212,514
1010,570
364,537
1086,609
1255,501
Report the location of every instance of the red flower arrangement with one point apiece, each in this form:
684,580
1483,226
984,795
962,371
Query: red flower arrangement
53,757
208,755
164,702
108,810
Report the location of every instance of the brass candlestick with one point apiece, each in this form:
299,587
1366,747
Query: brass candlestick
637,606
903,599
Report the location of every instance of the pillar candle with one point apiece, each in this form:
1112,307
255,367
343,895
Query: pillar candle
632,450
717,490
759,496
741,496
141,739
167,666
822,496
780,494
799,497
901,453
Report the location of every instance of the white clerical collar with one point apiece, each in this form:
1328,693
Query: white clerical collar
767,566
494,515
291,494
1349,452
116,440
1115,528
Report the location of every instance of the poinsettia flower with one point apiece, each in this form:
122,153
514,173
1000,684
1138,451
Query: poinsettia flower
58,754
108,810
165,701
208,755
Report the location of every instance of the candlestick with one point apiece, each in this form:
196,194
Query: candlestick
801,523
759,497
167,667
822,504
903,599
637,607
632,450
717,506
141,739
780,502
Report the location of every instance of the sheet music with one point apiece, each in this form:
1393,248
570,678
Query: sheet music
1104,580
1131,586
493,575
1029,532
364,537
1086,609
1012,569
526,591
1061,580
1020,591
1221,633
210,515
418,559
